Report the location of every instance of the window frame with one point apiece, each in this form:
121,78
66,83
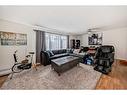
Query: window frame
60,42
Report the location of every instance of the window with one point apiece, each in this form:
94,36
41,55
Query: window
55,42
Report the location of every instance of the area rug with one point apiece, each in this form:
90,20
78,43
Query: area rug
80,77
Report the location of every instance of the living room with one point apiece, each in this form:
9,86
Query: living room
63,33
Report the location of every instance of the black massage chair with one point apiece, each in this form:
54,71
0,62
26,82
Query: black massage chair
104,59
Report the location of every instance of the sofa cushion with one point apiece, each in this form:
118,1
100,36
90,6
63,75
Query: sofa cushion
62,51
59,51
59,55
70,50
55,52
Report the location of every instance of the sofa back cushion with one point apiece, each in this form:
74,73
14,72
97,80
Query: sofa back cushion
70,50
62,51
55,51
59,51
50,53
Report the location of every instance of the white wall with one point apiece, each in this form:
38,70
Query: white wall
118,38
84,40
6,52
115,37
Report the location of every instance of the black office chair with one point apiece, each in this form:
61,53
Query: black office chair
104,59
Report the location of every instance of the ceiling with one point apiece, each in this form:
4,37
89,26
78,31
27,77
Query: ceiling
68,19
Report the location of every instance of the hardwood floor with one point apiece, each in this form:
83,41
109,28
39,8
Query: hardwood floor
117,79
2,79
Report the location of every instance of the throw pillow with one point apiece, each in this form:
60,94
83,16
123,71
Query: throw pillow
48,53
51,53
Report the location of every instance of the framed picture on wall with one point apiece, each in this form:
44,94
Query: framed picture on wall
95,39
9,38
21,39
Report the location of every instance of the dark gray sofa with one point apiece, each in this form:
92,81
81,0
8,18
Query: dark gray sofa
47,56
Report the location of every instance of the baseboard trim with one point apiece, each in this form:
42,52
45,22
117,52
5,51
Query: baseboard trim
123,62
5,72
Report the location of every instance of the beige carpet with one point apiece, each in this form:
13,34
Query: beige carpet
80,77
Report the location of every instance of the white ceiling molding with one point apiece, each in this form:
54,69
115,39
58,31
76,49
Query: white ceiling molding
18,22
50,30
37,27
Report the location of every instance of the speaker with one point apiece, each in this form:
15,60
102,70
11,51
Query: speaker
72,43
77,44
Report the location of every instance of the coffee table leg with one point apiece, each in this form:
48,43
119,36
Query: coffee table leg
59,74
52,67
78,64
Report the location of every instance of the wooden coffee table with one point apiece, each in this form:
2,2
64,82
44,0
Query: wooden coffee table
63,64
